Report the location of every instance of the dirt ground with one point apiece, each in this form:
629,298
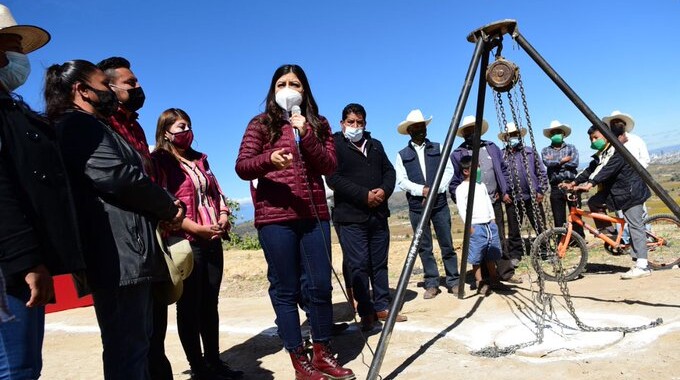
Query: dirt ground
437,340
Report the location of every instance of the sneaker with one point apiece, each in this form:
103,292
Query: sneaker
636,272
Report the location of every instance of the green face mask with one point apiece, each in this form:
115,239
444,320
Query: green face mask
598,144
479,175
557,139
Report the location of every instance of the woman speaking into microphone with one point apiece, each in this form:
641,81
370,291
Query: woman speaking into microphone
291,215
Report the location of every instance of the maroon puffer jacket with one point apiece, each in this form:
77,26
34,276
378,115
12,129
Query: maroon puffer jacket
171,175
284,195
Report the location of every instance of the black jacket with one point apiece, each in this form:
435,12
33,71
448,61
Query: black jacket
37,214
623,186
356,176
117,204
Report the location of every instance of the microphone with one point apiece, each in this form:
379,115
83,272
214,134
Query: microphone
295,110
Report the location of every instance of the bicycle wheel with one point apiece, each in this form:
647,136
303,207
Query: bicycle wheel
545,258
663,241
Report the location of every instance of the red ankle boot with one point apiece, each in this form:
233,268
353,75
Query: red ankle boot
304,370
326,363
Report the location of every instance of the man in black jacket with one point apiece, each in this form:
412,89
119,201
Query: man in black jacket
619,188
363,182
38,232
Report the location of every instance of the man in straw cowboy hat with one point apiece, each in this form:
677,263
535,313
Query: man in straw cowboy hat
38,234
561,161
495,176
636,146
416,166
521,185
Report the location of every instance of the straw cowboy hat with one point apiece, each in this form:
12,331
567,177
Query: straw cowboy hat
630,123
179,259
413,117
469,121
503,136
559,126
32,37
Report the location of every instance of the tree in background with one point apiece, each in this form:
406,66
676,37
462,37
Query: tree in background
237,241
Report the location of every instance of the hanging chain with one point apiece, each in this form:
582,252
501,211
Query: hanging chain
542,300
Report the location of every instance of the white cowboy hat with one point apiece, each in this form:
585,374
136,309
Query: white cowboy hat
630,123
32,37
557,125
511,128
469,121
413,117
179,259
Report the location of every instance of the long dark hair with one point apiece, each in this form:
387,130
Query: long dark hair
59,82
165,121
275,116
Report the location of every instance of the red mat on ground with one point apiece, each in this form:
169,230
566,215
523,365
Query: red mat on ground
67,297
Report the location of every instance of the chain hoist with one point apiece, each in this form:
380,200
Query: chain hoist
502,76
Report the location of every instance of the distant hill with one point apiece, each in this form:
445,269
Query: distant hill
666,155
665,150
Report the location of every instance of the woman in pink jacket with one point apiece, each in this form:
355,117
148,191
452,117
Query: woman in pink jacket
186,173
284,153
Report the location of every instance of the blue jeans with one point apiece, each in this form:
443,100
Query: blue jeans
485,243
294,250
125,320
365,246
21,339
441,221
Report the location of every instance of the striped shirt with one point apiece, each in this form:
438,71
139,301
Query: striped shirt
557,172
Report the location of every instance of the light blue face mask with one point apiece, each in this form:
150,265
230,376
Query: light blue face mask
513,142
16,72
353,134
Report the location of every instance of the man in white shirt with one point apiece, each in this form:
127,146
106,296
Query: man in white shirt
637,147
416,166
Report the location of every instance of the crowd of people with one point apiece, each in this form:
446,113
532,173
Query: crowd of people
88,146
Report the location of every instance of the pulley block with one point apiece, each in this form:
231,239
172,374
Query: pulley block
502,75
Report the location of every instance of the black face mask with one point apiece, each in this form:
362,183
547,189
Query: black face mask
135,100
107,104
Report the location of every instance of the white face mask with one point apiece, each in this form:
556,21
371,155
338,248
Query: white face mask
15,73
286,98
353,134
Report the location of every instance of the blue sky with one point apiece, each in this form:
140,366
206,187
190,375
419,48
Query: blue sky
215,59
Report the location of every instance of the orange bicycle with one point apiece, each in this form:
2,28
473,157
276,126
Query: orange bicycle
561,253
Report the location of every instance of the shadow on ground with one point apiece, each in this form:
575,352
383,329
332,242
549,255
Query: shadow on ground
247,355
423,348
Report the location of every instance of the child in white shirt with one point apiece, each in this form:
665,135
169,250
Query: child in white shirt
485,243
